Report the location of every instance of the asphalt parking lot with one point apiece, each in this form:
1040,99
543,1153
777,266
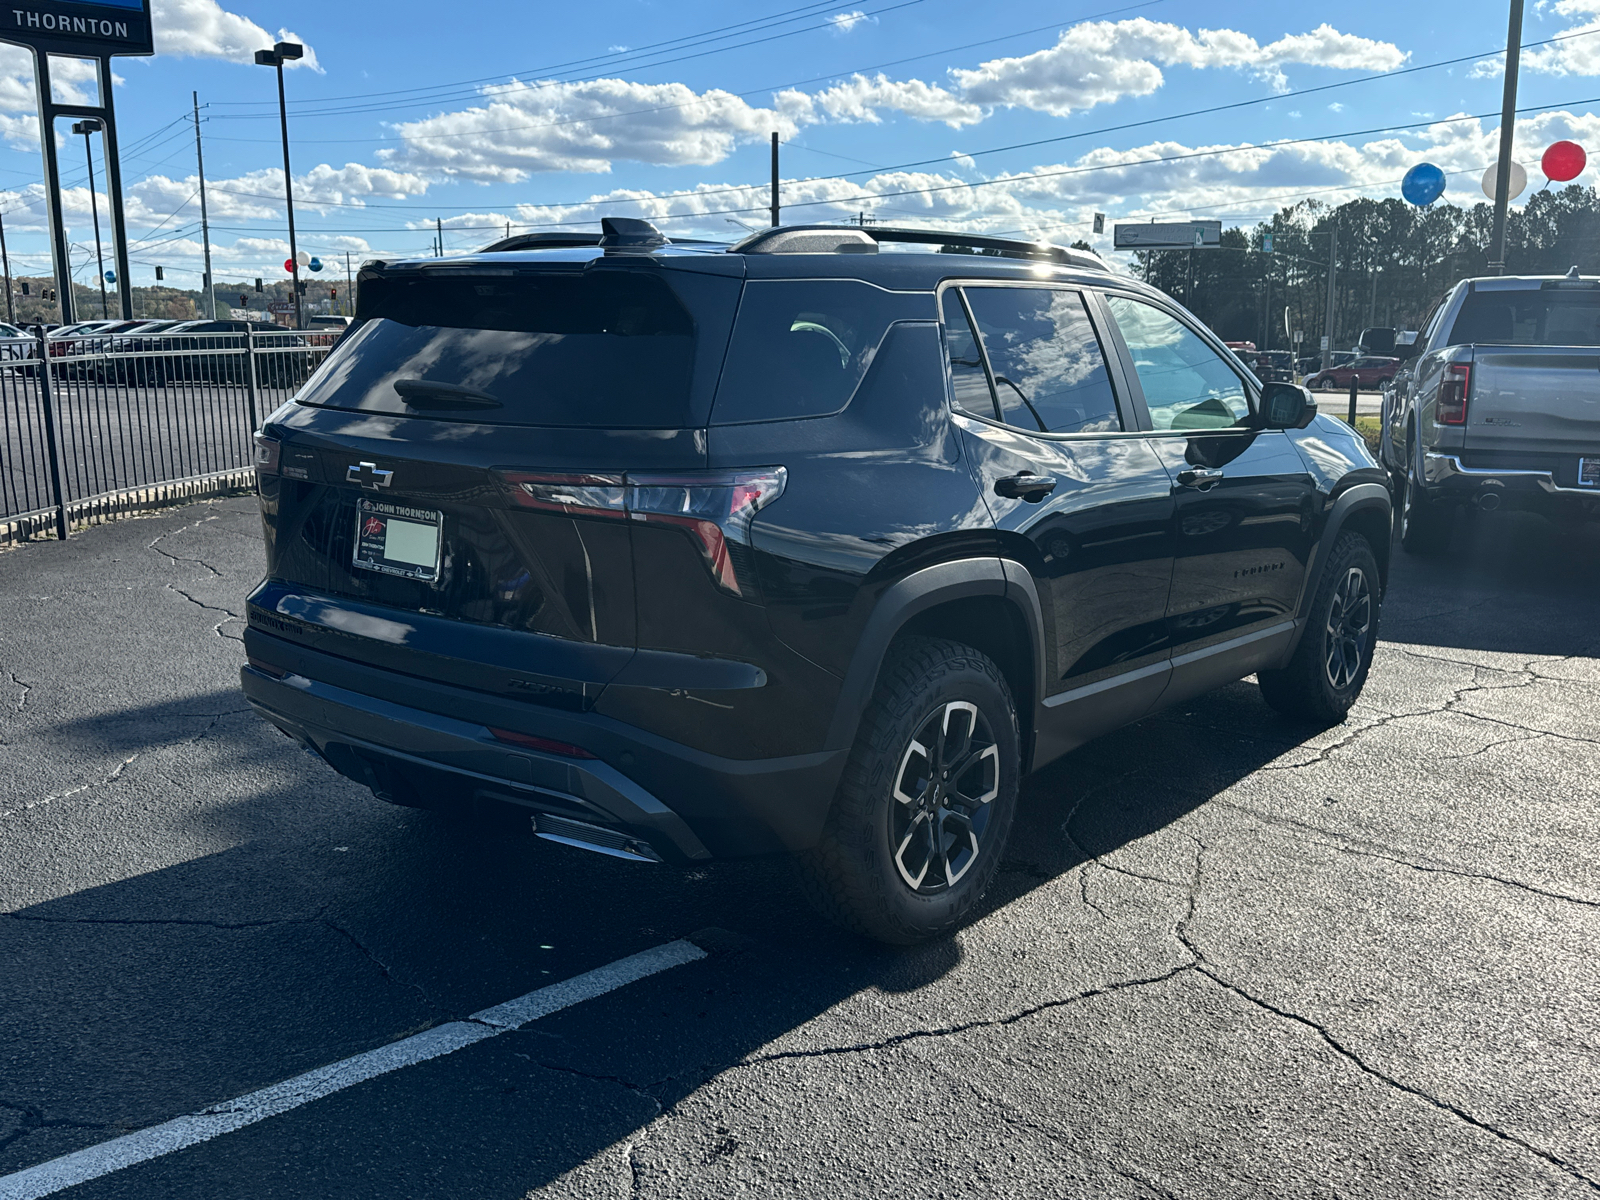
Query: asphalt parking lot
1228,955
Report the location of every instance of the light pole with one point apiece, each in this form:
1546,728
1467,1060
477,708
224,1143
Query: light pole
281,53
86,127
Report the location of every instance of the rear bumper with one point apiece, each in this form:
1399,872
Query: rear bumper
1448,477
398,734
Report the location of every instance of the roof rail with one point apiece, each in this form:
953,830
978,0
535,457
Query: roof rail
781,240
560,241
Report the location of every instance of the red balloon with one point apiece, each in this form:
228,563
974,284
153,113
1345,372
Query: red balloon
1564,161
288,263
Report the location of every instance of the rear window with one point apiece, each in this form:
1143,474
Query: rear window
1548,317
619,348
800,346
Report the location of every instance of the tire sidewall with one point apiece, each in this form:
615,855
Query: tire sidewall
912,915
1351,552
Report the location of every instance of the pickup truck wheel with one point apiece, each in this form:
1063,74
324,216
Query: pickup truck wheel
1424,524
926,802
1329,667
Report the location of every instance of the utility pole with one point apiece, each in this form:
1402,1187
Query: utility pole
349,286
205,223
1508,120
5,261
774,180
1333,253
438,229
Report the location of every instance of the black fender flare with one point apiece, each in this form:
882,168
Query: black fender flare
1359,498
959,579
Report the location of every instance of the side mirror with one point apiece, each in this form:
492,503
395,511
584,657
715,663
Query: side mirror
1286,406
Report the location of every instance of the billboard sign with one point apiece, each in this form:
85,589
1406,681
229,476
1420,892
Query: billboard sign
88,29
1171,235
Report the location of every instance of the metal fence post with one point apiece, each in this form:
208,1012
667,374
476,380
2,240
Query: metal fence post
48,402
250,378
1352,399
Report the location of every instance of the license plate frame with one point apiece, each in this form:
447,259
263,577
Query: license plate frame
1589,472
396,539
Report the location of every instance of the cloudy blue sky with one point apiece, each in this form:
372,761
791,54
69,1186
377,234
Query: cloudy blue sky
1008,116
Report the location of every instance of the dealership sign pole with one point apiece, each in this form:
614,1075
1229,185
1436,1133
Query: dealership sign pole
96,30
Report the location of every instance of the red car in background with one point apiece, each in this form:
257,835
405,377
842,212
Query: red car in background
1370,372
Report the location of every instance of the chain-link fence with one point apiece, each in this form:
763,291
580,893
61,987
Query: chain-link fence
120,423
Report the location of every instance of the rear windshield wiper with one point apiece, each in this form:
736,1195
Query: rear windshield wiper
425,393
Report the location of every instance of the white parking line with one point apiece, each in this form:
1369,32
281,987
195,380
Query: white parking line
181,1132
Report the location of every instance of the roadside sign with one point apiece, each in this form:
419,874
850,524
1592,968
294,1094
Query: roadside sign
1323,343
1266,243
86,28
280,307
1099,222
1174,235
1299,336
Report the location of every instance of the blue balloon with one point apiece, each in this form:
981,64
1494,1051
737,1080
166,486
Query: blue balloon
1423,184
111,276
315,264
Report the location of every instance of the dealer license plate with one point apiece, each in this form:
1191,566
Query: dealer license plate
1589,472
397,540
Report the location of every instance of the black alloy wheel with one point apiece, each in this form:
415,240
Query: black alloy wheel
1425,524
1349,626
925,804
948,777
1328,669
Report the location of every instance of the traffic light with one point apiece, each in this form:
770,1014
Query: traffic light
160,274
333,293
24,287
258,283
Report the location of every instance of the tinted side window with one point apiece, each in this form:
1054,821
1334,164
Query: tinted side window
1187,385
800,346
1049,374
970,384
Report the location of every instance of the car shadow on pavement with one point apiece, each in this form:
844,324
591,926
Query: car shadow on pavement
328,923
1509,582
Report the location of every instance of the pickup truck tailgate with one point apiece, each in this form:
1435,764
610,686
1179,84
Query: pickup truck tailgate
1534,399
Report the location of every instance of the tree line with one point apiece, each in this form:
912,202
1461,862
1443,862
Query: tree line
1393,261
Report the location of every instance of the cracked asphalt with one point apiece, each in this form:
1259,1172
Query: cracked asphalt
1227,956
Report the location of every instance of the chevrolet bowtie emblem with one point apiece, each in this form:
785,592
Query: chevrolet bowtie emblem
368,475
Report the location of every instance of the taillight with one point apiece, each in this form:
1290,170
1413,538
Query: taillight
267,449
533,741
1451,408
714,508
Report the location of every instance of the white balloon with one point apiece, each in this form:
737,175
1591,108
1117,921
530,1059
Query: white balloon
1519,181
303,258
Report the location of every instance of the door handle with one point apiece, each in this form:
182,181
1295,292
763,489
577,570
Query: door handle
1199,477
1032,488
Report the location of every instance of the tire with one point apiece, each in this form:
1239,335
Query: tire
1330,666
873,872
1327,385
1425,524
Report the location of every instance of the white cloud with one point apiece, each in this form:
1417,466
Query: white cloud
846,21
526,128
861,99
1101,61
204,29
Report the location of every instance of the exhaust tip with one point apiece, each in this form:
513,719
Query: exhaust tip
1487,501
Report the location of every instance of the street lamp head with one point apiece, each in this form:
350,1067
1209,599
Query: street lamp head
87,126
288,51
266,58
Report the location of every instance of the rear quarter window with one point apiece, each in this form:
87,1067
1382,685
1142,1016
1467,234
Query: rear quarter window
801,346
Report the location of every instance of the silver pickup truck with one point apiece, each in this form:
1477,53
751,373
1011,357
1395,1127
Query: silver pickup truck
1498,405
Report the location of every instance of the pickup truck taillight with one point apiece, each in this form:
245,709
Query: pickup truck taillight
1451,408
714,508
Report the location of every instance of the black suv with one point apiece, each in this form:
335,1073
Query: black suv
815,543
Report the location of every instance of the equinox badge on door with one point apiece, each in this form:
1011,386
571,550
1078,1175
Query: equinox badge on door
368,475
